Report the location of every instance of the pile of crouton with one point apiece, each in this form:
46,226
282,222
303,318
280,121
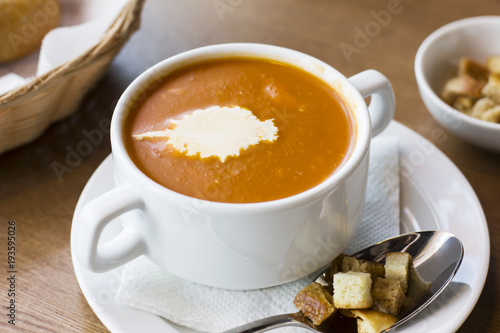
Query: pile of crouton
475,90
372,292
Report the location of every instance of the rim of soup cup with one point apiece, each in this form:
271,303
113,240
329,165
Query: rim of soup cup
355,103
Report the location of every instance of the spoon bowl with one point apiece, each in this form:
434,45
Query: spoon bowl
437,255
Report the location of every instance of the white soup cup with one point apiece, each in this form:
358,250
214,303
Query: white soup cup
227,245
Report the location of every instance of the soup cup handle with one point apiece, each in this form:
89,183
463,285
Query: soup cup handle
382,105
95,215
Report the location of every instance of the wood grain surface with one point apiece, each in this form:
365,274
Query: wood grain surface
42,200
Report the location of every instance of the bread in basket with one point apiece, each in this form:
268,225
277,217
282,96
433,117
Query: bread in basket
27,111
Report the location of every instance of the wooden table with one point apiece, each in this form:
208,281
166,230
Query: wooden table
42,203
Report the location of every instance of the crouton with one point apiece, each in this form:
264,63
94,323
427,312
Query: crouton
397,267
315,302
492,88
473,69
493,64
481,106
352,264
464,104
387,295
463,85
492,115
371,321
352,290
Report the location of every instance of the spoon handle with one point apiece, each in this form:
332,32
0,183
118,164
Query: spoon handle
270,323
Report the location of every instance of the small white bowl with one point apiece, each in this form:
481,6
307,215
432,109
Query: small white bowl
436,62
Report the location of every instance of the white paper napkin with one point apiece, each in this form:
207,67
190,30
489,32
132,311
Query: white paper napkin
147,287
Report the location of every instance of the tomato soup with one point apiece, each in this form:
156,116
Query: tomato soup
310,131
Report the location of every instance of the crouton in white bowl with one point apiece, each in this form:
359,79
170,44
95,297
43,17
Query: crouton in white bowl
445,68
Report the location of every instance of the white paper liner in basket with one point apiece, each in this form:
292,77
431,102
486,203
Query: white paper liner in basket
60,84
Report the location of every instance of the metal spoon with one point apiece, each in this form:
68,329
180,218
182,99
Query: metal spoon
436,258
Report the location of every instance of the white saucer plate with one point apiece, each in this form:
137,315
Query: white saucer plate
434,196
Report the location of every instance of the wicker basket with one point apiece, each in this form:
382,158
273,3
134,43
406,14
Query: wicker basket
27,111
